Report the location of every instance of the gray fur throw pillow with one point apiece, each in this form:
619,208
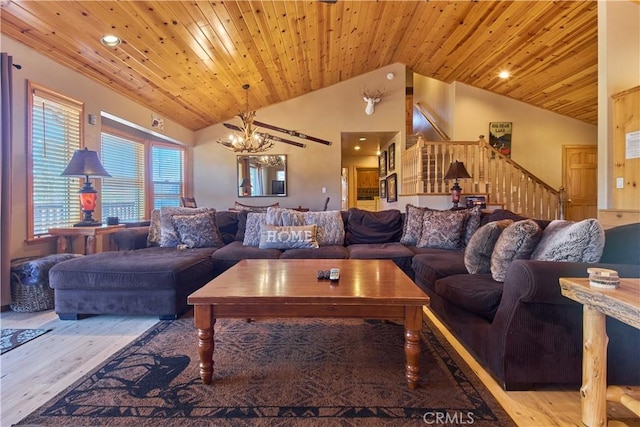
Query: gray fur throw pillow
571,241
255,220
517,241
477,254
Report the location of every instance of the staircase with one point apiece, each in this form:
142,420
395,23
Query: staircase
506,183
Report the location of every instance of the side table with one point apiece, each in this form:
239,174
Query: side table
622,303
66,235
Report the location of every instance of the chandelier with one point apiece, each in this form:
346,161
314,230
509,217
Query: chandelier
248,139
271,161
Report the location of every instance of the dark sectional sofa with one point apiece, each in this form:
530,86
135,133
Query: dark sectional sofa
523,330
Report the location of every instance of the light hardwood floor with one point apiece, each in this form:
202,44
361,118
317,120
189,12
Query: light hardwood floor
34,372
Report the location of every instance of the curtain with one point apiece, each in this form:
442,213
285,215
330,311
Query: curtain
6,92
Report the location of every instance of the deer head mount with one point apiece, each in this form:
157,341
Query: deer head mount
371,99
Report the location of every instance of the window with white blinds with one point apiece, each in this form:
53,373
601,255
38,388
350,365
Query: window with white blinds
55,133
123,195
168,175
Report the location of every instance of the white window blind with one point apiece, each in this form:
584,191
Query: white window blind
55,135
123,195
168,175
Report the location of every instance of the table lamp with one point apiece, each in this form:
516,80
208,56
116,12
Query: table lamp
246,187
86,163
456,171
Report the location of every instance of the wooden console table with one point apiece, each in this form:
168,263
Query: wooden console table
66,235
622,303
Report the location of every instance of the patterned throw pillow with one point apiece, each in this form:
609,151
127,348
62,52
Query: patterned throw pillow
570,241
472,224
255,220
168,235
288,237
198,230
442,229
330,226
517,241
330,223
477,254
283,216
153,238
412,229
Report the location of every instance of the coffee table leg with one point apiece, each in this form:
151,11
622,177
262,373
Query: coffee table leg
412,328
205,322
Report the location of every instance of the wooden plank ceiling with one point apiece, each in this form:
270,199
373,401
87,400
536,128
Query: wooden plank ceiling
188,60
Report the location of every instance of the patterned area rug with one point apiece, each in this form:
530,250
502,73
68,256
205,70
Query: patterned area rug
12,338
277,372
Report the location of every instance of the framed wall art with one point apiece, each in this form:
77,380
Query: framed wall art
392,157
392,188
383,189
500,137
382,163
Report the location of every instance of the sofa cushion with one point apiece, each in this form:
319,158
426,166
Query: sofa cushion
570,241
477,254
254,222
412,228
517,241
236,251
288,237
436,264
323,252
373,227
143,269
198,230
622,245
168,234
443,229
379,251
500,214
227,225
477,293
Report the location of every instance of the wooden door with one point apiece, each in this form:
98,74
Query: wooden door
580,176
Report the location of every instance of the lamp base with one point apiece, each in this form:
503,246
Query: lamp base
88,224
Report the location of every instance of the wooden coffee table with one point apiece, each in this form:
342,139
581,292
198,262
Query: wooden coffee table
368,289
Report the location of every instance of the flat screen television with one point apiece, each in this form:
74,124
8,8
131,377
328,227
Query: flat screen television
277,187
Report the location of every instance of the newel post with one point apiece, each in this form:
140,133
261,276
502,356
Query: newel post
562,197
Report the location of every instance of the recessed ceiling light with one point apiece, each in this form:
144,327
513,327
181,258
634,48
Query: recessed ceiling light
110,40
504,75
362,139
378,152
357,147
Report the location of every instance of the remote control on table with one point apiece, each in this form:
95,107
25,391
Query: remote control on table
334,274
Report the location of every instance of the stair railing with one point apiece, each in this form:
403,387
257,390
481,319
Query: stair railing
505,182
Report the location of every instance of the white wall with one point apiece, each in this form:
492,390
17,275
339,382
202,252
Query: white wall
96,98
464,113
323,114
618,70
538,134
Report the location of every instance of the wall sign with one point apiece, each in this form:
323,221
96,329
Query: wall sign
500,137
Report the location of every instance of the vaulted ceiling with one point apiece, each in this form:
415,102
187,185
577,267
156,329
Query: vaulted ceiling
188,60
